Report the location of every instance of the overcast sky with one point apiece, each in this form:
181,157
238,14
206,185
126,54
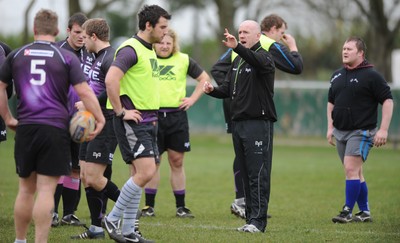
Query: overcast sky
12,13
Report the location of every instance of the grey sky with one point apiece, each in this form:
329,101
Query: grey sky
12,12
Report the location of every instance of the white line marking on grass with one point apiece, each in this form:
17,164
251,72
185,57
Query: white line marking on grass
192,226
318,231
344,232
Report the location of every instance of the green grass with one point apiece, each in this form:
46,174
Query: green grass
307,190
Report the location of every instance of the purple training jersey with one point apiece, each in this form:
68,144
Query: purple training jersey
86,61
97,76
99,69
42,74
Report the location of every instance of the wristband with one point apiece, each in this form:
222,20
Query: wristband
121,115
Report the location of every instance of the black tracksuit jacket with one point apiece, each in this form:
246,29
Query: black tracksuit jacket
250,85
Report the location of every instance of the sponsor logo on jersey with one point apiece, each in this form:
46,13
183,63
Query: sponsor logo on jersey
166,72
38,53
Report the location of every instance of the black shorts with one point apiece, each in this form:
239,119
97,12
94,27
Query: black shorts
3,130
42,148
173,131
101,149
136,140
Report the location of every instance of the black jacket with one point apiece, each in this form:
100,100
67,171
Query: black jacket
250,85
355,94
284,59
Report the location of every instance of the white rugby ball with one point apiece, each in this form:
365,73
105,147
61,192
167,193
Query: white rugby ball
82,123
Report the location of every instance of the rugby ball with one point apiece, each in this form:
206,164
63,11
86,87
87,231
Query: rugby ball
82,123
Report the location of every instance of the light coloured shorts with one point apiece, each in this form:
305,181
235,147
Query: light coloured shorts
354,142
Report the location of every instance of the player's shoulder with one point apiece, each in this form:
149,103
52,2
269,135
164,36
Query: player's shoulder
4,48
62,43
60,49
66,55
109,51
182,56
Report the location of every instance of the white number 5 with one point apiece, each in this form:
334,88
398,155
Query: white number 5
36,70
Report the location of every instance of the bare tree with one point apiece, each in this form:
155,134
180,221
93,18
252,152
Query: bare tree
228,11
374,20
74,6
25,33
381,37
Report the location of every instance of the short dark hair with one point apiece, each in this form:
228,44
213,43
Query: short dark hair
360,43
151,13
77,18
272,20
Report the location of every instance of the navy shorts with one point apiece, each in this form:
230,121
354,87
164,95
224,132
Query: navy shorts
173,131
101,149
42,148
136,140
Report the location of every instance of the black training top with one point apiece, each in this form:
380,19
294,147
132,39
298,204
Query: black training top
284,59
355,94
250,84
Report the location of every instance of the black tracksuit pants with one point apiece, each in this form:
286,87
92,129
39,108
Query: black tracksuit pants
253,142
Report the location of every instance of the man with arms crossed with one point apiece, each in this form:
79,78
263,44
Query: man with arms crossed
42,74
133,90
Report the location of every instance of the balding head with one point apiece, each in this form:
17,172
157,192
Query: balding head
249,33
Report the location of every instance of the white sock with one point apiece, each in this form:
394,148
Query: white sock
20,241
128,192
95,228
128,225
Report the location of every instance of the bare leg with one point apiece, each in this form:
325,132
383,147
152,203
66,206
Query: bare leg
23,206
44,206
178,177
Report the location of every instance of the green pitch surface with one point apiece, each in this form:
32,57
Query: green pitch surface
307,191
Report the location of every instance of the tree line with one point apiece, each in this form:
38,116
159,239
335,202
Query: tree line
377,21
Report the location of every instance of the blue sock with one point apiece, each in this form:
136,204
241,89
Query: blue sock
362,200
352,192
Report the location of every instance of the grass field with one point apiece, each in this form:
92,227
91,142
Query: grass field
307,190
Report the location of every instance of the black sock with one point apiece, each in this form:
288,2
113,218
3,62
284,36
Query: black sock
78,197
111,191
107,174
95,203
57,196
69,200
179,199
150,199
